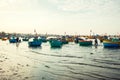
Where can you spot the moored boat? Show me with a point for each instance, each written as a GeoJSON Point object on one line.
{"type": "Point", "coordinates": [14, 40]}
{"type": "Point", "coordinates": [35, 43]}
{"type": "Point", "coordinates": [85, 42]}
{"type": "Point", "coordinates": [113, 43]}
{"type": "Point", "coordinates": [4, 38]}
{"type": "Point", "coordinates": [64, 40]}
{"type": "Point", "coordinates": [25, 39]}
{"type": "Point", "coordinates": [55, 43]}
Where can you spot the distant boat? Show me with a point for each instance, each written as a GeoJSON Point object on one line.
{"type": "Point", "coordinates": [14, 40]}
{"type": "Point", "coordinates": [43, 39]}
{"type": "Point", "coordinates": [85, 42]}
{"type": "Point", "coordinates": [77, 39]}
{"type": "Point", "coordinates": [35, 43]}
{"type": "Point", "coordinates": [4, 38]}
{"type": "Point", "coordinates": [114, 43]}
{"type": "Point", "coordinates": [70, 38]}
{"type": "Point", "coordinates": [51, 38]}
{"type": "Point", "coordinates": [55, 43]}
{"type": "Point", "coordinates": [25, 39]}
{"type": "Point", "coordinates": [64, 40]}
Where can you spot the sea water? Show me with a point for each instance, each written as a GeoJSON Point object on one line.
{"type": "Point", "coordinates": [70, 62]}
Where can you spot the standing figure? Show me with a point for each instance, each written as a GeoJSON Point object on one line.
{"type": "Point", "coordinates": [17, 39]}
{"type": "Point", "coordinates": [96, 42]}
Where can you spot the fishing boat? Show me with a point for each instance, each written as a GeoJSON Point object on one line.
{"type": "Point", "coordinates": [70, 38]}
{"type": "Point", "coordinates": [50, 38]}
{"type": "Point", "coordinates": [35, 43]}
{"type": "Point", "coordinates": [113, 43]}
{"type": "Point", "coordinates": [77, 39]}
{"type": "Point", "coordinates": [12, 40]}
{"type": "Point", "coordinates": [85, 42]}
{"type": "Point", "coordinates": [4, 38]}
{"type": "Point", "coordinates": [64, 40]}
{"type": "Point", "coordinates": [55, 43]}
{"type": "Point", "coordinates": [25, 39]}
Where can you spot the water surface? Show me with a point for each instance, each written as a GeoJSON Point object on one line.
{"type": "Point", "coordinates": [71, 62]}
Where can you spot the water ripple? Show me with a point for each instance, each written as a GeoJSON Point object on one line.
{"type": "Point", "coordinates": [68, 56]}
{"type": "Point", "coordinates": [106, 62]}
{"type": "Point", "coordinates": [85, 64]}
{"type": "Point", "coordinates": [65, 75]}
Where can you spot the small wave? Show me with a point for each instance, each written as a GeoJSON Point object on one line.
{"type": "Point", "coordinates": [106, 61]}
{"type": "Point", "coordinates": [85, 64]}
{"type": "Point", "coordinates": [64, 75]}
{"type": "Point", "coordinates": [68, 56]}
{"type": "Point", "coordinates": [103, 76]}
{"type": "Point", "coordinates": [87, 74]}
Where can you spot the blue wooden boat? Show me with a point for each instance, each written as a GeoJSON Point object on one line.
{"type": "Point", "coordinates": [12, 40]}
{"type": "Point", "coordinates": [85, 43]}
{"type": "Point", "coordinates": [55, 43]}
{"type": "Point", "coordinates": [77, 39]}
{"type": "Point", "coordinates": [35, 43]}
{"type": "Point", "coordinates": [114, 43]}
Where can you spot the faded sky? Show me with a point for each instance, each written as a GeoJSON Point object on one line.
{"type": "Point", "coordinates": [59, 16]}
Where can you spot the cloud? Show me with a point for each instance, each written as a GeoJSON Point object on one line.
{"type": "Point", "coordinates": [18, 5]}
{"type": "Point", "coordinates": [88, 6]}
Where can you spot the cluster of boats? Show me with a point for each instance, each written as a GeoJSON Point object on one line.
{"type": "Point", "coordinates": [58, 42]}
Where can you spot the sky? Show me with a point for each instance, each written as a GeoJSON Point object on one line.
{"type": "Point", "coordinates": [60, 16]}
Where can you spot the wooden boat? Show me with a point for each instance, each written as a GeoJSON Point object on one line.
{"type": "Point", "coordinates": [25, 39]}
{"type": "Point", "coordinates": [114, 43]}
{"type": "Point", "coordinates": [35, 43]}
{"type": "Point", "coordinates": [70, 38]}
{"type": "Point", "coordinates": [14, 40]}
{"type": "Point", "coordinates": [64, 40]}
{"type": "Point", "coordinates": [4, 38]}
{"type": "Point", "coordinates": [77, 39]}
{"type": "Point", "coordinates": [55, 43]}
{"type": "Point", "coordinates": [85, 42]}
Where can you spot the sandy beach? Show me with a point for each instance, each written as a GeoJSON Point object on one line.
{"type": "Point", "coordinates": [14, 67]}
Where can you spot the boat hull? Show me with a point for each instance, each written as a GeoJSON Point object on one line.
{"type": "Point", "coordinates": [25, 39]}
{"type": "Point", "coordinates": [85, 43]}
{"type": "Point", "coordinates": [34, 43]}
{"type": "Point", "coordinates": [111, 44]}
{"type": "Point", "coordinates": [55, 43]}
{"type": "Point", "coordinates": [12, 40]}
{"type": "Point", "coordinates": [4, 39]}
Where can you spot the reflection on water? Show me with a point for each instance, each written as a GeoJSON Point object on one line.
{"type": "Point", "coordinates": [70, 62]}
